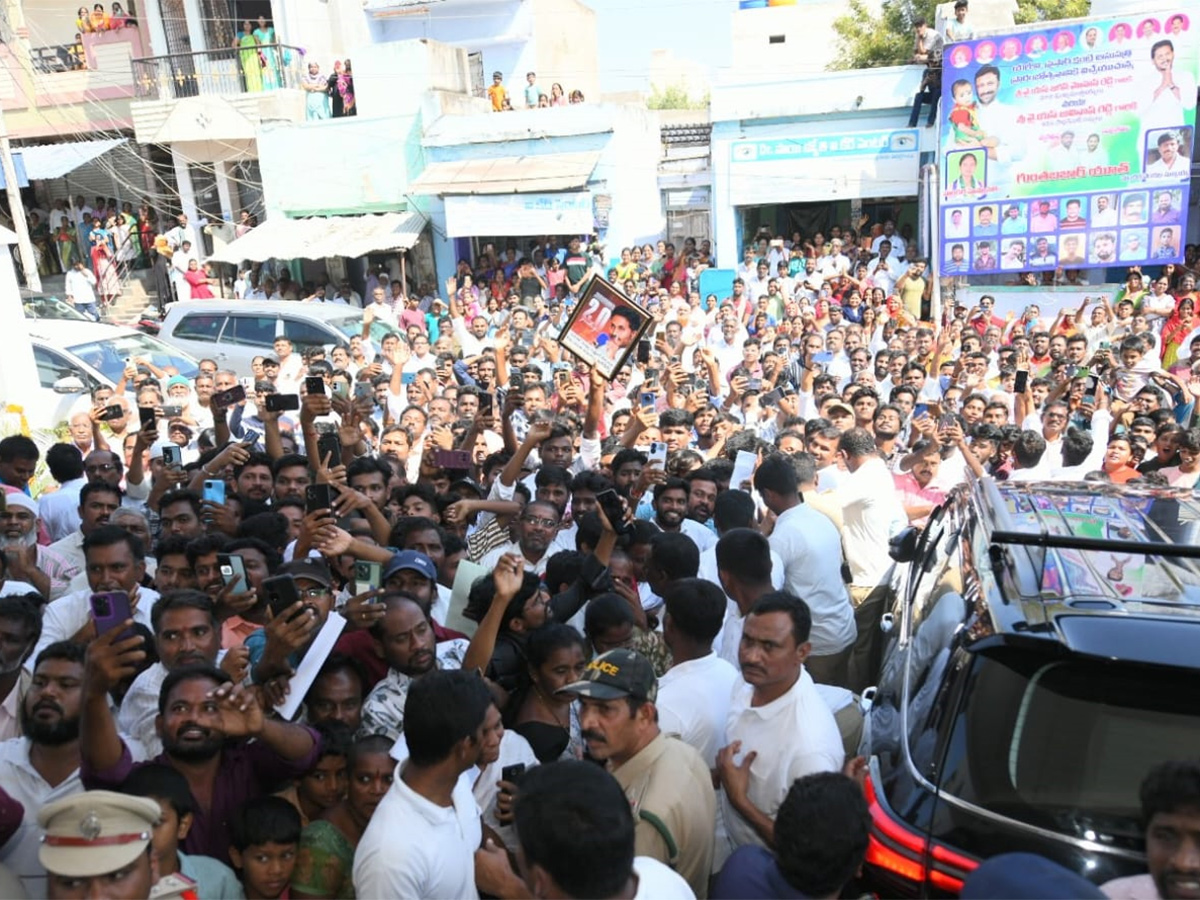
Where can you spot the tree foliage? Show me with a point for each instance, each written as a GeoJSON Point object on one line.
{"type": "Point", "coordinates": [674, 96]}
{"type": "Point", "coordinates": [868, 41]}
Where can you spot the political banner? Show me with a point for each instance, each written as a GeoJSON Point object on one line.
{"type": "Point", "coordinates": [1068, 146]}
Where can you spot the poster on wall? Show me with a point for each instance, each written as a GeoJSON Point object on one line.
{"type": "Point", "coordinates": [604, 327]}
{"type": "Point", "coordinates": [1070, 146]}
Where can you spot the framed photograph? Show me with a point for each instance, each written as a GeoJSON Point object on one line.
{"type": "Point", "coordinates": [604, 328]}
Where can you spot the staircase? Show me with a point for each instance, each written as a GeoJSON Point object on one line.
{"type": "Point", "coordinates": [137, 294]}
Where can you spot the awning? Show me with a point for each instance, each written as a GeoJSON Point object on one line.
{"type": "Point", "coordinates": [508, 174]}
{"type": "Point", "coordinates": [45, 161]}
{"type": "Point", "coordinates": [324, 236]}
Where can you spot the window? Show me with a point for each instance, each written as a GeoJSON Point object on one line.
{"type": "Point", "coordinates": [51, 367]}
{"type": "Point", "coordinates": [306, 334]}
{"type": "Point", "coordinates": [250, 331]}
{"type": "Point", "coordinates": [200, 327]}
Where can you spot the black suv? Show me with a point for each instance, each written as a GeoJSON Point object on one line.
{"type": "Point", "coordinates": [1040, 658]}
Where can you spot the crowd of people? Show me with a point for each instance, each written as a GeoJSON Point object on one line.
{"type": "Point", "coordinates": [532, 96]}
{"type": "Point", "coordinates": [450, 615]}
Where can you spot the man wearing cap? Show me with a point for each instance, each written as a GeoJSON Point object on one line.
{"type": "Point", "coordinates": [666, 780]}
{"type": "Point", "coordinates": [28, 560]}
{"type": "Point", "coordinates": [97, 844]}
{"type": "Point", "coordinates": [279, 648]}
{"type": "Point", "coordinates": [405, 638]}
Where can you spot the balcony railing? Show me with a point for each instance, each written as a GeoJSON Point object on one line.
{"type": "Point", "coordinates": [267, 67]}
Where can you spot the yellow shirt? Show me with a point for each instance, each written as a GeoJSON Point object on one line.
{"type": "Point", "coordinates": [497, 94]}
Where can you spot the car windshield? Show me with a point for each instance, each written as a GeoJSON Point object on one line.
{"type": "Point", "coordinates": [352, 325]}
{"type": "Point", "coordinates": [1065, 744]}
{"type": "Point", "coordinates": [43, 306]}
{"type": "Point", "coordinates": [108, 356]}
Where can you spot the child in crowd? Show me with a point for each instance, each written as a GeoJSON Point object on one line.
{"type": "Point", "coordinates": [324, 785]}
{"type": "Point", "coordinates": [213, 879]}
{"type": "Point", "coordinates": [263, 839]}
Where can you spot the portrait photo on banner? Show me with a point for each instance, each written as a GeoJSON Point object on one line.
{"type": "Point", "coordinates": [604, 327]}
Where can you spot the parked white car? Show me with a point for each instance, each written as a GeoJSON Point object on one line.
{"type": "Point", "coordinates": [236, 332]}
{"type": "Point", "coordinates": [75, 357]}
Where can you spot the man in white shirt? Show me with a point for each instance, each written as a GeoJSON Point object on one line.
{"type": "Point", "coordinates": [115, 562]}
{"type": "Point", "coordinates": [779, 729]}
{"type": "Point", "coordinates": [811, 549]}
{"type": "Point", "coordinates": [97, 501]}
{"type": "Point", "coordinates": [886, 268]}
{"type": "Point", "coordinates": [693, 695]}
{"type": "Point", "coordinates": [79, 286]}
{"type": "Point", "coordinates": [43, 765]}
{"type": "Point", "coordinates": [445, 715]}
{"type": "Point", "coordinates": [1170, 163]}
{"type": "Point", "coordinates": [1104, 212]}
{"type": "Point", "coordinates": [871, 515]}
{"type": "Point", "coordinates": [291, 367]}
{"type": "Point", "coordinates": [889, 236]}
{"type": "Point", "coordinates": [1005, 141]}
{"type": "Point", "coordinates": [670, 514]}
{"type": "Point", "coordinates": [379, 310]}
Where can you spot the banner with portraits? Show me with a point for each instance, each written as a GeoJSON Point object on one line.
{"type": "Point", "coordinates": [1069, 146]}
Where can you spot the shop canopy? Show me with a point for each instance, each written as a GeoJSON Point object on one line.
{"type": "Point", "coordinates": [320, 237]}
{"type": "Point", "coordinates": [47, 161]}
{"type": "Point", "coordinates": [508, 174]}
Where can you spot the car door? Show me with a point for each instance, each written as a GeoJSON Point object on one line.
{"type": "Point", "coordinates": [197, 333]}
{"type": "Point", "coordinates": [246, 336]}
{"type": "Point", "coordinates": [304, 334]}
{"type": "Point", "coordinates": [51, 408]}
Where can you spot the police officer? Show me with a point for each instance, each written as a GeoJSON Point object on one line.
{"type": "Point", "coordinates": [97, 845]}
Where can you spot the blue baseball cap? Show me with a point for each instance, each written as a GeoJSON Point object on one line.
{"type": "Point", "coordinates": [410, 559]}
{"type": "Point", "coordinates": [1018, 875]}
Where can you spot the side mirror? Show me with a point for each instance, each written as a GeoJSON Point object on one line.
{"type": "Point", "coordinates": [69, 384]}
{"type": "Point", "coordinates": [902, 547]}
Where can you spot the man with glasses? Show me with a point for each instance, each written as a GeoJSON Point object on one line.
{"type": "Point", "coordinates": [278, 649]}
{"type": "Point", "coordinates": [536, 529]}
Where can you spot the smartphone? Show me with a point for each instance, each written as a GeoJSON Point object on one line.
{"type": "Point", "coordinates": [330, 445]}
{"type": "Point", "coordinates": [649, 400]}
{"type": "Point", "coordinates": [366, 576]}
{"type": "Point", "coordinates": [516, 382]}
{"type": "Point", "coordinates": [147, 417]}
{"type": "Point", "coordinates": [112, 412]}
{"type": "Point", "coordinates": [317, 497]}
{"type": "Point", "coordinates": [214, 491]}
{"type": "Point", "coordinates": [754, 384]}
{"type": "Point", "coordinates": [249, 437]}
{"type": "Point", "coordinates": [173, 456]}
{"type": "Point", "coordinates": [232, 567]}
{"type": "Point", "coordinates": [1093, 383]}
{"type": "Point", "coordinates": [512, 774]}
{"type": "Point", "coordinates": [643, 351]}
{"type": "Point", "coordinates": [225, 399]}
{"type": "Point", "coordinates": [280, 592]}
{"type": "Point", "coordinates": [110, 609]}
{"type": "Point", "coordinates": [452, 459]}
{"type": "Point", "coordinates": [770, 398]}
{"type": "Point", "coordinates": [658, 453]}
{"type": "Point", "coordinates": [172, 412]}
{"type": "Point", "coordinates": [282, 402]}
{"type": "Point", "coordinates": [1022, 382]}
{"type": "Point", "coordinates": [948, 420]}
{"type": "Point", "coordinates": [921, 409]}
{"type": "Point", "coordinates": [485, 404]}
{"type": "Point", "coordinates": [364, 390]}
{"type": "Point", "coordinates": [341, 389]}
{"type": "Point", "coordinates": [610, 502]}
{"type": "Point", "coordinates": [408, 377]}
{"type": "Point", "coordinates": [314, 384]}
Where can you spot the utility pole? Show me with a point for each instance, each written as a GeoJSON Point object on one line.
{"type": "Point", "coordinates": [33, 280]}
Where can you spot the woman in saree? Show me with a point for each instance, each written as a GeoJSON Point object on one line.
{"type": "Point", "coordinates": [265, 35]}
{"type": "Point", "coordinates": [335, 96]}
{"type": "Point", "coordinates": [39, 236]}
{"type": "Point", "coordinates": [345, 87]}
{"type": "Point", "coordinates": [1178, 328]}
{"type": "Point", "coordinates": [252, 65]}
{"type": "Point", "coordinates": [108, 282]}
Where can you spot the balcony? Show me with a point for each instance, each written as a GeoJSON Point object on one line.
{"type": "Point", "coordinates": [84, 86]}
{"type": "Point", "coordinates": [216, 95]}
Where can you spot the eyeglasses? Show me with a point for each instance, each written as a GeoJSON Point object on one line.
{"type": "Point", "coordinates": [314, 593]}
{"type": "Point", "coordinates": [537, 520]}
{"type": "Point", "coordinates": [101, 467]}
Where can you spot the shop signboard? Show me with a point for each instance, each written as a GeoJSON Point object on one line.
{"type": "Point", "coordinates": [1068, 146]}
{"type": "Point", "coordinates": [519, 215]}
{"type": "Point", "coordinates": [879, 163]}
